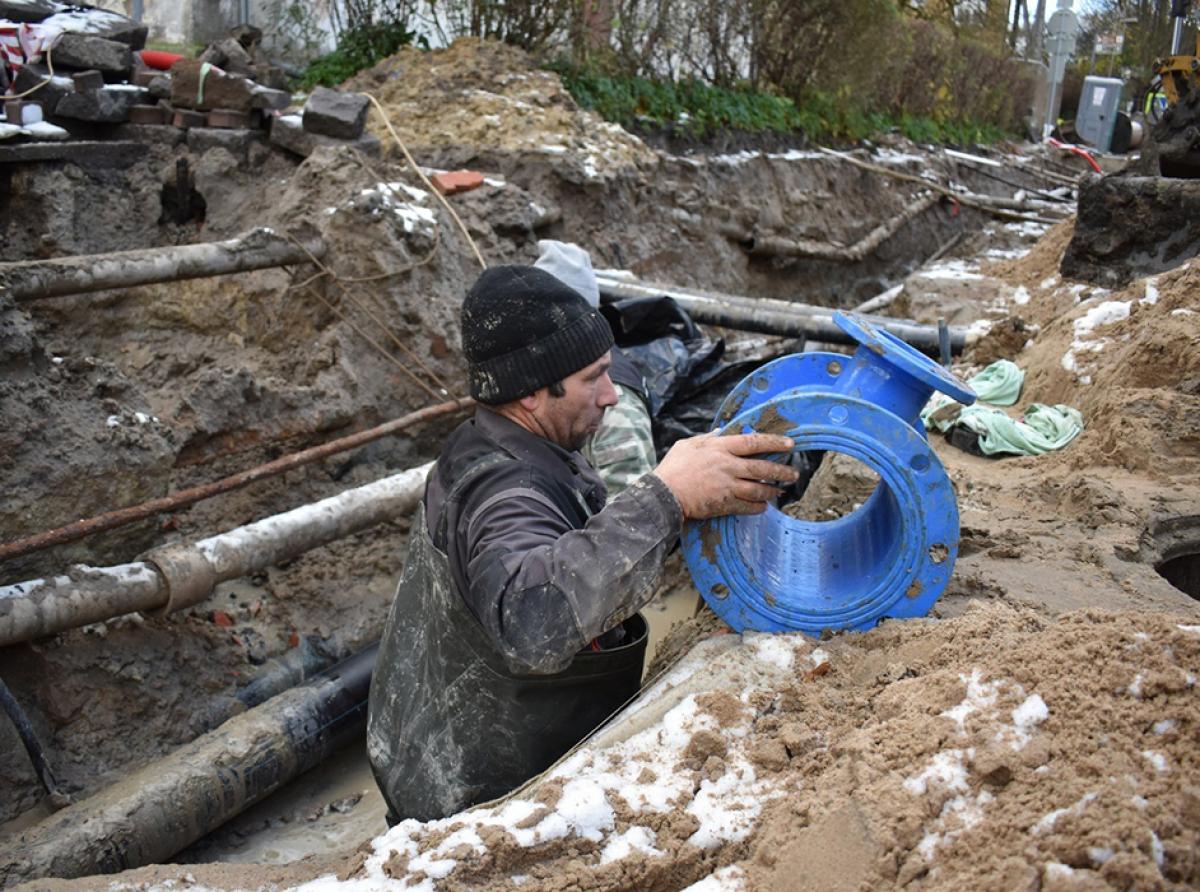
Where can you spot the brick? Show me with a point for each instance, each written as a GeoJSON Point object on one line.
{"type": "Point", "coordinates": [144, 77]}
{"type": "Point", "coordinates": [333, 113]}
{"type": "Point", "coordinates": [186, 118]}
{"type": "Point", "coordinates": [88, 81]}
{"type": "Point", "coordinates": [456, 181]}
{"type": "Point", "coordinates": [226, 118]}
{"type": "Point", "coordinates": [85, 51]}
{"type": "Point", "coordinates": [149, 114]}
{"type": "Point", "coordinates": [220, 90]}
{"type": "Point", "coordinates": [221, 618]}
{"type": "Point", "coordinates": [108, 106]}
{"type": "Point", "coordinates": [287, 132]}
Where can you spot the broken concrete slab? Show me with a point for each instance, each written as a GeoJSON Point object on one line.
{"type": "Point", "coordinates": [87, 52]}
{"type": "Point", "coordinates": [108, 106]}
{"type": "Point", "coordinates": [195, 84]}
{"type": "Point", "coordinates": [334, 113]}
{"type": "Point", "coordinates": [28, 10]}
{"type": "Point", "coordinates": [85, 153]}
{"type": "Point", "coordinates": [287, 132]}
{"type": "Point", "coordinates": [236, 142]}
{"type": "Point", "coordinates": [98, 23]}
{"type": "Point", "coordinates": [157, 134]}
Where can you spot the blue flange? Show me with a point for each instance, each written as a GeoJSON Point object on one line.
{"type": "Point", "coordinates": [893, 556]}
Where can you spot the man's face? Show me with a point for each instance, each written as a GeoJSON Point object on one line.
{"type": "Point", "coordinates": [570, 419]}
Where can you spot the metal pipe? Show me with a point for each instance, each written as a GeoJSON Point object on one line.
{"type": "Point", "coordinates": [258, 249]}
{"type": "Point", "coordinates": [778, 317]}
{"type": "Point", "coordinates": [33, 746]}
{"type": "Point", "coordinates": [153, 813]}
{"type": "Point", "coordinates": [124, 516]}
{"type": "Point", "coordinates": [778, 246]}
{"type": "Point", "coordinates": [179, 576]}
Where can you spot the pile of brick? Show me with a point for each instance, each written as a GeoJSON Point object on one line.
{"type": "Point", "coordinates": [82, 83]}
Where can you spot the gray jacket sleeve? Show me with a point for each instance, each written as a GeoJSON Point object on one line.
{"type": "Point", "coordinates": [544, 590]}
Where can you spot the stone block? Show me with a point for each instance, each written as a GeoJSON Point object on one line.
{"type": "Point", "coordinates": [88, 81]}
{"type": "Point", "coordinates": [98, 23]}
{"type": "Point", "coordinates": [236, 142]}
{"type": "Point", "coordinates": [50, 90]}
{"type": "Point", "coordinates": [149, 114]}
{"type": "Point", "coordinates": [287, 132]}
{"type": "Point", "coordinates": [85, 51]}
{"type": "Point", "coordinates": [160, 86]}
{"type": "Point", "coordinates": [28, 10]}
{"type": "Point", "coordinates": [228, 55]}
{"type": "Point", "coordinates": [194, 87]}
{"type": "Point", "coordinates": [186, 118]}
{"type": "Point", "coordinates": [144, 77]}
{"type": "Point", "coordinates": [265, 98]}
{"type": "Point", "coordinates": [108, 106]}
{"type": "Point", "coordinates": [455, 181]}
{"type": "Point", "coordinates": [333, 113]}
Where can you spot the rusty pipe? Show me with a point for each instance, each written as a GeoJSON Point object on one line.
{"type": "Point", "coordinates": [179, 576]}
{"type": "Point", "coordinates": [124, 516]}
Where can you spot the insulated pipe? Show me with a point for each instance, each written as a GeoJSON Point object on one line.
{"type": "Point", "coordinates": [150, 815]}
{"type": "Point", "coordinates": [257, 249]}
{"type": "Point", "coordinates": [178, 576]}
{"type": "Point", "coordinates": [777, 317]}
{"type": "Point", "coordinates": [891, 557]}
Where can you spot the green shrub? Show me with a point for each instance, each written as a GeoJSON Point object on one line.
{"type": "Point", "coordinates": [359, 48]}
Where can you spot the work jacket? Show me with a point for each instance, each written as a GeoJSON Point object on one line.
{"type": "Point", "coordinates": [514, 630]}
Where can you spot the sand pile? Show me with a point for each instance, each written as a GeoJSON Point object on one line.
{"type": "Point", "coordinates": [489, 97]}
{"type": "Point", "coordinates": [1129, 360]}
{"type": "Point", "coordinates": [968, 753]}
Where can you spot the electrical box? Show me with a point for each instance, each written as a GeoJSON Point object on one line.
{"type": "Point", "coordinates": [1099, 104]}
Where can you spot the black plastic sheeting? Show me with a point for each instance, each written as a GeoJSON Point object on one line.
{"type": "Point", "coordinates": [686, 375]}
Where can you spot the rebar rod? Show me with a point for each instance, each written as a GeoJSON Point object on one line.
{"type": "Point", "coordinates": [124, 516]}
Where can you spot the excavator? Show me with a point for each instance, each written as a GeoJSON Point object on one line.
{"type": "Point", "coordinates": [1175, 136]}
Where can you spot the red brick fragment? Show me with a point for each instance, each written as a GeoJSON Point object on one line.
{"type": "Point", "coordinates": [221, 618]}
{"type": "Point", "coordinates": [456, 181]}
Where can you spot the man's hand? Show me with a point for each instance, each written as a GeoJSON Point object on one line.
{"type": "Point", "coordinates": [711, 476]}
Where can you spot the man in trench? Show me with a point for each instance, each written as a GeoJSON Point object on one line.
{"type": "Point", "coordinates": [515, 629]}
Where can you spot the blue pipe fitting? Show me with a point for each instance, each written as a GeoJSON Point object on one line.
{"type": "Point", "coordinates": [892, 556]}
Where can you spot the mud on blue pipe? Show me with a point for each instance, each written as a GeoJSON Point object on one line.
{"type": "Point", "coordinates": [893, 556]}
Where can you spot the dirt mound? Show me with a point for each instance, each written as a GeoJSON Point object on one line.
{"type": "Point", "coordinates": [967, 753]}
{"type": "Point", "coordinates": [482, 96]}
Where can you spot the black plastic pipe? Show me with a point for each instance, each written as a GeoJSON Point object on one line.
{"type": "Point", "coordinates": [33, 746]}
{"type": "Point", "coordinates": [148, 816]}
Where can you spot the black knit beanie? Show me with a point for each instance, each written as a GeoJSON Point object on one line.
{"type": "Point", "coordinates": [523, 329]}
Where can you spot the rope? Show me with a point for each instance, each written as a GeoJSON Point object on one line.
{"type": "Point", "coordinates": [412, 162]}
